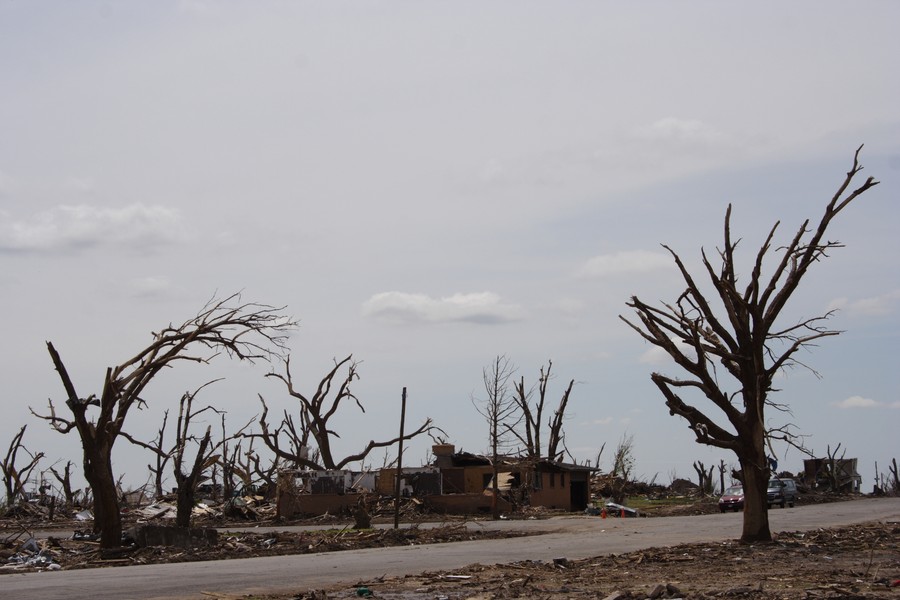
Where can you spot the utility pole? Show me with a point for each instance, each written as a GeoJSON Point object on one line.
{"type": "Point", "coordinates": [399, 462]}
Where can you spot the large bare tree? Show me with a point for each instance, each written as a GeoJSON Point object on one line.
{"type": "Point", "coordinates": [245, 331]}
{"type": "Point", "coordinates": [498, 408]}
{"type": "Point", "coordinates": [532, 409]}
{"type": "Point", "coordinates": [736, 336]}
{"type": "Point", "coordinates": [291, 440]}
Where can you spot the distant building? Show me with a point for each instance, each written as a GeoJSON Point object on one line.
{"type": "Point", "coordinates": [456, 483]}
{"type": "Point", "coordinates": [839, 474]}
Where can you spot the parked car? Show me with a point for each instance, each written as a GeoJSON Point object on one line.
{"type": "Point", "coordinates": [732, 499]}
{"type": "Point", "coordinates": [782, 492]}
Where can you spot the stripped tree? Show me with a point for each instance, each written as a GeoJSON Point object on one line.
{"type": "Point", "coordinates": [245, 331]}
{"type": "Point", "coordinates": [742, 337]}
{"type": "Point", "coordinates": [188, 473]}
{"type": "Point", "coordinates": [15, 477]}
{"type": "Point", "coordinates": [497, 407]}
{"type": "Point", "coordinates": [65, 482]}
{"type": "Point", "coordinates": [291, 440]}
{"type": "Point", "coordinates": [532, 411]}
{"type": "Point", "coordinates": [704, 478]}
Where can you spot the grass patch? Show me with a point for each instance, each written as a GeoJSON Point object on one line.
{"type": "Point", "coordinates": [644, 503]}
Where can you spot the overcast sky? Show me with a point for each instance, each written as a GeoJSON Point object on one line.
{"type": "Point", "coordinates": [427, 185]}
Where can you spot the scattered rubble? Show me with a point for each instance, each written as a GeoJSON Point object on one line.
{"type": "Point", "coordinates": [854, 563]}
{"type": "Point", "coordinates": [151, 544]}
{"type": "Point", "coordinates": [859, 562]}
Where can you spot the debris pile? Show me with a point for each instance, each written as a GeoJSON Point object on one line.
{"type": "Point", "coordinates": [858, 562]}
{"type": "Point", "coordinates": [29, 554]}
{"type": "Point", "coordinates": [82, 550]}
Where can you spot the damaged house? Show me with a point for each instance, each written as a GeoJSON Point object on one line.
{"type": "Point", "coordinates": [313, 493]}
{"type": "Point", "coordinates": [456, 483]}
{"type": "Point", "coordinates": [838, 474]}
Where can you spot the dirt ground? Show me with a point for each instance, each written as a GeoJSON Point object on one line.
{"type": "Point", "coordinates": [856, 562]}
{"type": "Point", "coordinates": [22, 552]}
{"type": "Point", "coordinates": [849, 563]}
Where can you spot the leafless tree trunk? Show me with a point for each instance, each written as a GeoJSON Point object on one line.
{"type": "Point", "coordinates": [243, 331]}
{"type": "Point", "coordinates": [187, 473]}
{"type": "Point", "coordinates": [623, 465]}
{"type": "Point", "coordinates": [230, 463]}
{"type": "Point", "coordinates": [497, 408]}
{"type": "Point", "coordinates": [65, 481]}
{"type": "Point", "coordinates": [161, 458]}
{"type": "Point", "coordinates": [741, 338]}
{"type": "Point", "coordinates": [833, 467]}
{"type": "Point", "coordinates": [532, 418]}
{"type": "Point", "coordinates": [599, 454]}
{"type": "Point", "coordinates": [268, 475]}
{"type": "Point", "coordinates": [704, 477]}
{"type": "Point", "coordinates": [315, 413]}
{"type": "Point", "coordinates": [722, 470]}
{"type": "Point", "coordinates": [15, 478]}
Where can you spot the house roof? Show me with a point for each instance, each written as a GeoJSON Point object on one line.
{"type": "Point", "coordinates": [467, 459]}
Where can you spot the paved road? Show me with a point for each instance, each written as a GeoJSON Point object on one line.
{"type": "Point", "coordinates": [571, 537]}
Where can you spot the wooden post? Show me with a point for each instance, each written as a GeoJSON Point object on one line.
{"type": "Point", "coordinates": [399, 462]}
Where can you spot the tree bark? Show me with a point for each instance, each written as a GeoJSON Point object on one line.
{"type": "Point", "coordinates": [756, 506]}
{"type": "Point", "coordinates": [99, 475]}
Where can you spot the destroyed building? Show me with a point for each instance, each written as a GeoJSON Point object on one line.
{"type": "Point", "coordinates": [456, 483]}
{"type": "Point", "coordinates": [838, 474]}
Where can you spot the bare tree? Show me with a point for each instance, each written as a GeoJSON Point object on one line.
{"type": "Point", "coordinates": [65, 481]}
{"type": "Point", "coordinates": [599, 454]}
{"type": "Point", "coordinates": [161, 457]}
{"type": "Point", "coordinates": [622, 467]}
{"type": "Point", "coordinates": [745, 337]}
{"type": "Point", "coordinates": [722, 470]}
{"type": "Point", "coordinates": [230, 463]}
{"type": "Point", "coordinates": [247, 466]}
{"type": "Point", "coordinates": [315, 413]}
{"type": "Point", "coordinates": [532, 417]}
{"type": "Point", "coordinates": [245, 331]}
{"type": "Point", "coordinates": [704, 477]}
{"type": "Point", "coordinates": [498, 406]}
{"type": "Point", "coordinates": [267, 474]}
{"type": "Point", "coordinates": [893, 482]}
{"type": "Point", "coordinates": [187, 473]}
{"type": "Point", "coordinates": [15, 477]}
{"type": "Point", "coordinates": [833, 467]}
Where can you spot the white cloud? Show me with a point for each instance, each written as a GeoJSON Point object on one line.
{"type": "Point", "coordinates": [681, 132]}
{"type": "Point", "coordinates": [150, 286]}
{"type": "Point", "coordinates": [630, 261]}
{"type": "Point", "coordinates": [568, 306]}
{"type": "Point", "coordinates": [654, 356]}
{"type": "Point", "coordinates": [484, 308]}
{"type": "Point", "coordinates": [657, 356]}
{"type": "Point", "coordinates": [876, 306]}
{"type": "Point", "coordinates": [857, 402]}
{"type": "Point", "coordinates": [675, 146]}
{"type": "Point", "coordinates": [68, 227]}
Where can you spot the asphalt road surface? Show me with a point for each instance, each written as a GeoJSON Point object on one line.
{"type": "Point", "coordinates": [573, 537]}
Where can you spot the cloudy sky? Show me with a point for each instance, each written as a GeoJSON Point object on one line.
{"type": "Point", "coordinates": [427, 185]}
